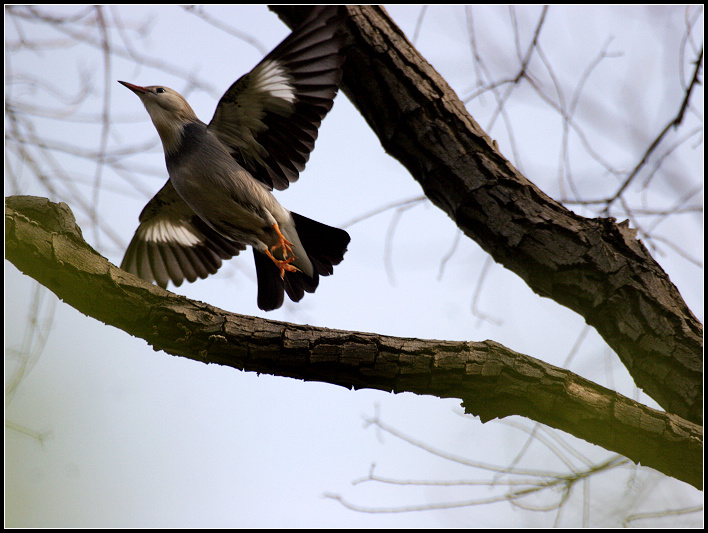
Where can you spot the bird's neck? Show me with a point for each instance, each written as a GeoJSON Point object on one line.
{"type": "Point", "coordinates": [192, 138]}
{"type": "Point", "coordinates": [170, 134]}
{"type": "Point", "coordinates": [170, 126]}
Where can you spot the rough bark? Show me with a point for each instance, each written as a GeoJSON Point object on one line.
{"type": "Point", "coordinates": [596, 267]}
{"type": "Point", "coordinates": [43, 241]}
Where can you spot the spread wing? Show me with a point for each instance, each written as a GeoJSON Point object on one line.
{"type": "Point", "coordinates": [269, 117]}
{"type": "Point", "coordinates": [173, 243]}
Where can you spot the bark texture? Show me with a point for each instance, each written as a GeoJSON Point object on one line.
{"type": "Point", "coordinates": [596, 267]}
{"type": "Point", "coordinates": [43, 241]}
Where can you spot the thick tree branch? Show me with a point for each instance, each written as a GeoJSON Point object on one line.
{"type": "Point", "coordinates": [595, 267]}
{"type": "Point", "coordinates": [43, 241]}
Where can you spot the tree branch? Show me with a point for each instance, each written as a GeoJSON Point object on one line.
{"type": "Point", "coordinates": [595, 267]}
{"type": "Point", "coordinates": [43, 241]}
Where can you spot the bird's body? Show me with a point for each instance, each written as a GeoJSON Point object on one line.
{"type": "Point", "coordinates": [246, 211]}
{"type": "Point", "coordinates": [218, 198]}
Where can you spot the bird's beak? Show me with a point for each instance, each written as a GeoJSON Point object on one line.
{"type": "Point", "coordinates": [137, 89]}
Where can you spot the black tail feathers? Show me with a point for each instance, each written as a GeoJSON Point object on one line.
{"type": "Point", "coordinates": [325, 247]}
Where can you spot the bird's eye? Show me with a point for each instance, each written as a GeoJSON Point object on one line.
{"type": "Point", "coordinates": [159, 90]}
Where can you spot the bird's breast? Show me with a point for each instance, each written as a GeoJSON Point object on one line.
{"type": "Point", "coordinates": [219, 190]}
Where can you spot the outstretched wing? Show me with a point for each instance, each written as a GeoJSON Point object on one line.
{"type": "Point", "coordinates": [269, 118]}
{"type": "Point", "coordinates": [173, 243]}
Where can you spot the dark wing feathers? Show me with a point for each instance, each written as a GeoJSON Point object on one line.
{"type": "Point", "coordinates": [173, 244]}
{"type": "Point", "coordinates": [269, 118]}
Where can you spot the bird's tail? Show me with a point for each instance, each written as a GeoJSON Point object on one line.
{"type": "Point", "coordinates": [325, 247]}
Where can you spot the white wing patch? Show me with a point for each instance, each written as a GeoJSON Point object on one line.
{"type": "Point", "coordinates": [274, 80]}
{"type": "Point", "coordinates": [171, 231]}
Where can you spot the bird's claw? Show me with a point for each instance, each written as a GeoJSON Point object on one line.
{"type": "Point", "coordinates": [288, 256]}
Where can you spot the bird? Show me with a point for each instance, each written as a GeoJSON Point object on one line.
{"type": "Point", "coordinates": [218, 198]}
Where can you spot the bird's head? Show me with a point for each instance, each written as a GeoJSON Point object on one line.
{"type": "Point", "coordinates": [168, 110]}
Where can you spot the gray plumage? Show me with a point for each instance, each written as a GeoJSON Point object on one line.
{"type": "Point", "coordinates": [218, 197]}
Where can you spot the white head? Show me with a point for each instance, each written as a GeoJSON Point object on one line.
{"type": "Point", "coordinates": [168, 110]}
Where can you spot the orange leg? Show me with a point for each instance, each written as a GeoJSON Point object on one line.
{"type": "Point", "coordinates": [288, 257]}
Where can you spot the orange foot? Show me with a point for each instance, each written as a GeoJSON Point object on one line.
{"type": "Point", "coordinates": [288, 257]}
